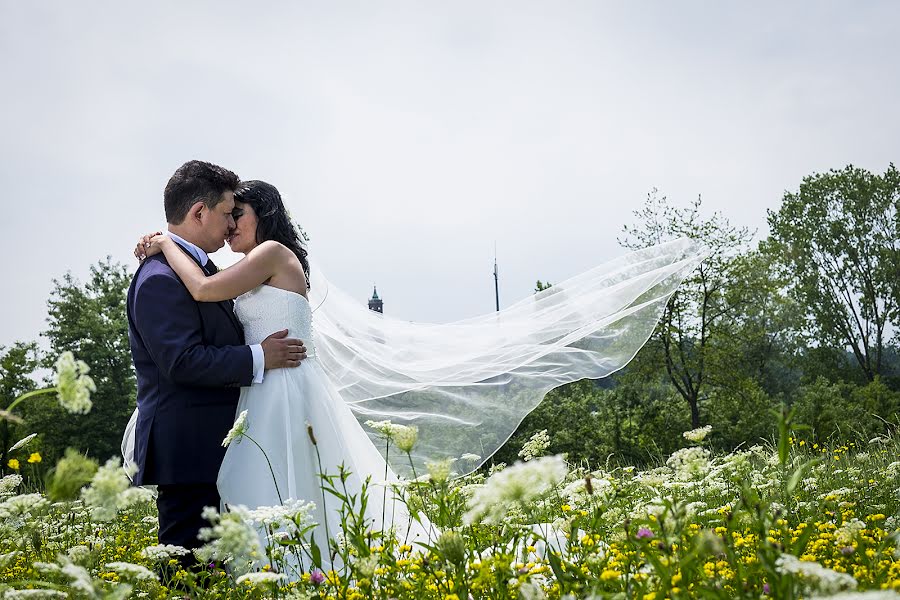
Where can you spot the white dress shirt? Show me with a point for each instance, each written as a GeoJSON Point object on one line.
{"type": "Point", "coordinates": [259, 357]}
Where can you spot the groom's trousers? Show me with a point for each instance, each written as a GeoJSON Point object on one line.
{"type": "Point", "coordinates": [180, 507]}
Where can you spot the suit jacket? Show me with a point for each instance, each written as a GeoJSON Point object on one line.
{"type": "Point", "coordinates": [190, 360]}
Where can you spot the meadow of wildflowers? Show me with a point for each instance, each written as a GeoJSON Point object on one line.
{"type": "Point", "coordinates": [784, 519]}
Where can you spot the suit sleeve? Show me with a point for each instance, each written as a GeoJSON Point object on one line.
{"type": "Point", "coordinates": [168, 322]}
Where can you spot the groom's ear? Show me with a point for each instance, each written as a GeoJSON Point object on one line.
{"type": "Point", "coordinates": [196, 211]}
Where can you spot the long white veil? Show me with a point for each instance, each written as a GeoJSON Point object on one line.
{"type": "Point", "coordinates": [467, 385]}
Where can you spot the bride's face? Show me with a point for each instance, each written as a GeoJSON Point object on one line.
{"type": "Point", "coordinates": [243, 237]}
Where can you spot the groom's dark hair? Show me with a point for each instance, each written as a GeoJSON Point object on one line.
{"type": "Point", "coordinates": [196, 181]}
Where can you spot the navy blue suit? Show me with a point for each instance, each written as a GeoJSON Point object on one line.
{"type": "Point", "coordinates": [190, 361]}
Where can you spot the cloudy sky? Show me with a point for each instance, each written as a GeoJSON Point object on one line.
{"type": "Point", "coordinates": [410, 137]}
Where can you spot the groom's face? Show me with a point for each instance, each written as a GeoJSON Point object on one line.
{"type": "Point", "coordinates": [217, 222]}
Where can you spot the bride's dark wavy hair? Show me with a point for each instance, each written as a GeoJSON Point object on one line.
{"type": "Point", "coordinates": [273, 220]}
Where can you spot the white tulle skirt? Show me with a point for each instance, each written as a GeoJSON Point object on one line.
{"type": "Point", "coordinates": [279, 413]}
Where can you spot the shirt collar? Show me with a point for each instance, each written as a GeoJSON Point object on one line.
{"type": "Point", "coordinates": [195, 251]}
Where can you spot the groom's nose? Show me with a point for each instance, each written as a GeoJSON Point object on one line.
{"type": "Point", "coordinates": [231, 224]}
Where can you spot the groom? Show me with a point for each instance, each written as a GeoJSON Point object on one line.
{"type": "Point", "coordinates": [190, 358]}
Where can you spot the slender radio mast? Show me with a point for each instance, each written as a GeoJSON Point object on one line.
{"type": "Point", "coordinates": [496, 280]}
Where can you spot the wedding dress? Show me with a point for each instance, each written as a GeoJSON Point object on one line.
{"type": "Point", "coordinates": [282, 412]}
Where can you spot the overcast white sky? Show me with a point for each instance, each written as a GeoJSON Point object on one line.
{"type": "Point", "coordinates": [408, 137]}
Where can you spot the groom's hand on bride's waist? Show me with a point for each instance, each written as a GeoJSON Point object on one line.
{"type": "Point", "coordinates": [281, 351]}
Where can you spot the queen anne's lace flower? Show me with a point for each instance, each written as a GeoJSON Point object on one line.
{"type": "Point", "coordinates": [261, 578]}
{"type": "Point", "coordinates": [237, 431]}
{"type": "Point", "coordinates": [815, 575]}
{"type": "Point", "coordinates": [9, 483]}
{"type": "Point", "coordinates": [536, 446]}
{"type": "Point", "coordinates": [439, 470]}
{"type": "Point", "coordinates": [405, 437]}
{"type": "Point", "coordinates": [689, 463]}
{"type": "Point", "coordinates": [231, 539]}
{"type": "Point", "coordinates": [132, 572]}
{"type": "Point", "coordinates": [517, 485]}
{"type": "Point", "coordinates": [35, 594]}
{"type": "Point", "coordinates": [161, 552]}
{"type": "Point", "coordinates": [697, 435]}
{"type": "Point", "coordinates": [296, 511]}
{"type": "Point", "coordinates": [73, 384]}
{"type": "Point", "coordinates": [106, 494]}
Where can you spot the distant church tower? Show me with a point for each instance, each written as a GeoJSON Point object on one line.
{"type": "Point", "coordinates": [375, 302]}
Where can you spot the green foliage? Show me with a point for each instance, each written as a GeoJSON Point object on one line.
{"type": "Point", "coordinates": [90, 320]}
{"type": "Point", "coordinates": [701, 313]}
{"type": "Point", "coordinates": [836, 239]}
{"type": "Point", "coordinates": [71, 473]}
{"type": "Point", "coordinates": [843, 409]}
{"type": "Point", "coordinates": [17, 363]}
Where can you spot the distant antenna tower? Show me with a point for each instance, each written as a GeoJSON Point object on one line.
{"type": "Point", "coordinates": [496, 280]}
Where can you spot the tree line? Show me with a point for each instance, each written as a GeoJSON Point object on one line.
{"type": "Point", "coordinates": [808, 317]}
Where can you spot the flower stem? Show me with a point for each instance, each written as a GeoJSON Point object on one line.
{"type": "Point", "coordinates": [271, 470]}
{"type": "Point", "coordinates": [29, 395]}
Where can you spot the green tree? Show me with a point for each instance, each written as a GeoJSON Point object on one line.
{"type": "Point", "coordinates": [700, 314]}
{"type": "Point", "coordinates": [838, 241]}
{"type": "Point", "coordinates": [17, 364]}
{"type": "Point", "coordinates": [90, 320]}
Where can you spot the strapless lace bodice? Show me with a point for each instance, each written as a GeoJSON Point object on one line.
{"type": "Point", "coordinates": [267, 309]}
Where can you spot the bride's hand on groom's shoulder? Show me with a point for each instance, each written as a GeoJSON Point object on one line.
{"type": "Point", "coordinates": [149, 244]}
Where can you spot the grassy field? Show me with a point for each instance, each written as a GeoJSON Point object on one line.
{"type": "Point", "coordinates": [785, 519]}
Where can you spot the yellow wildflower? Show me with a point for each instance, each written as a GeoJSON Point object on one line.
{"type": "Point", "coordinates": [13, 464]}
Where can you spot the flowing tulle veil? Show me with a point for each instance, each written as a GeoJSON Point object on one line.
{"type": "Point", "coordinates": [467, 385]}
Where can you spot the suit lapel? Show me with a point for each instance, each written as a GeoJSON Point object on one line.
{"type": "Point", "coordinates": [225, 305]}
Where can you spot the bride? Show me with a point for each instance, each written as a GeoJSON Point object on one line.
{"type": "Point", "coordinates": [465, 386]}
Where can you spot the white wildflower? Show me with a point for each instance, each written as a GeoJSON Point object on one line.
{"type": "Point", "coordinates": [848, 532]}
{"type": "Point", "coordinates": [73, 384]}
{"type": "Point", "coordinates": [366, 566]}
{"type": "Point", "coordinates": [231, 539]}
{"type": "Point", "coordinates": [132, 572]}
{"type": "Point", "coordinates": [697, 435]}
{"type": "Point", "coordinates": [78, 553]}
{"type": "Point", "coordinates": [689, 462]}
{"type": "Point", "coordinates": [405, 437]}
{"type": "Point", "coordinates": [238, 430]}
{"type": "Point", "coordinates": [22, 506]}
{"type": "Point", "coordinates": [36, 594]}
{"type": "Point", "coordinates": [815, 575]}
{"type": "Point", "coordinates": [536, 446]}
{"type": "Point", "coordinates": [296, 511]}
{"type": "Point", "coordinates": [439, 470]}
{"type": "Point", "coordinates": [7, 558]}
{"type": "Point", "coordinates": [79, 578]}
{"type": "Point", "coordinates": [102, 496]}
{"type": "Point", "coordinates": [261, 578]}
{"type": "Point", "coordinates": [385, 428]}
{"type": "Point", "coordinates": [496, 468]}
{"type": "Point", "coordinates": [134, 496]}
{"type": "Point", "coordinates": [470, 458]}
{"type": "Point", "coordinates": [161, 552]}
{"type": "Point", "coordinates": [23, 442]}
{"type": "Point", "coordinates": [10, 483]}
{"type": "Point", "coordinates": [517, 485]}
{"type": "Point", "coordinates": [531, 591]}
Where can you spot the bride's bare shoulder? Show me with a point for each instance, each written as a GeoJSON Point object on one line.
{"type": "Point", "coordinates": [288, 271]}
{"type": "Point", "coordinates": [272, 250]}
